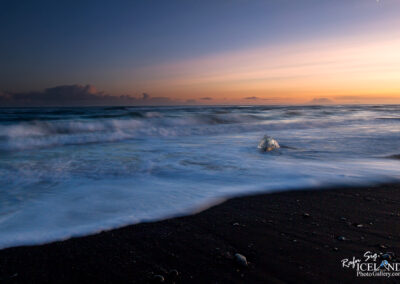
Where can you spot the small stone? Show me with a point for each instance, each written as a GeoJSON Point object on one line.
{"type": "Point", "coordinates": [342, 238]}
{"type": "Point", "coordinates": [382, 246]}
{"type": "Point", "coordinates": [236, 224]}
{"type": "Point", "coordinates": [158, 279]}
{"type": "Point", "coordinates": [295, 241]}
{"type": "Point", "coordinates": [306, 215]}
{"type": "Point", "coordinates": [358, 225]}
{"type": "Point", "coordinates": [335, 249]}
{"type": "Point", "coordinates": [240, 260]}
{"type": "Point", "coordinates": [343, 219]}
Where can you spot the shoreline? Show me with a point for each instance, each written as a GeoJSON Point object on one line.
{"type": "Point", "coordinates": [290, 236]}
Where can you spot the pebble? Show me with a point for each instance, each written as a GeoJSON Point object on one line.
{"type": "Point", "coordinates": [158, 279]}
{"type": "Point", "coordinates": [342, 238]}
{"type": "Point", "coordinates": [241, 259]}
{"type": "Point", "coordinates": [343, 219]}
{"type": "Point", "coordinates": [306, 215]}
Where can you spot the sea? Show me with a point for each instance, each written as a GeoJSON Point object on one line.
{"type": "Point", "coordinates": [68, 172]}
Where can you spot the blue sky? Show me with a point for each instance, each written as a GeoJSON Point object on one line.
{"type": "Point", "coordinates": [110, 43]}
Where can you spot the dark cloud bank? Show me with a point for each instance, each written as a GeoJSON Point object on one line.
{"type": "Point", "coordinates": [322, 101]}
{"type": "Point", "coordinates": [78, 95]}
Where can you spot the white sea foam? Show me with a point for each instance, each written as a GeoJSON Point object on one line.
{"type": "Point", "coordinates": [64, 174]}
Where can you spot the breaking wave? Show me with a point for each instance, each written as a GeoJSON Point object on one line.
{"type": "Point", "coordinates": [99, 168]}
{"type": "Point", "coordinates": [30, 129]}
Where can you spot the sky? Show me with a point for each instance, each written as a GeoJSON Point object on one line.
{"type": "Point", "coordinates": [199, 52]}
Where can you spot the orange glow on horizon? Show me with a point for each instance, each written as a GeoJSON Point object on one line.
{"type": "Point", "coordinates": [351, 70]}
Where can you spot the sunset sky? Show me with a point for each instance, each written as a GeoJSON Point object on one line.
{"type": "Point", "coordinates": [202, 52]}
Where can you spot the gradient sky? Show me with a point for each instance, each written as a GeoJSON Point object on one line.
{"type": "Point", "coordinates": [227, 51]}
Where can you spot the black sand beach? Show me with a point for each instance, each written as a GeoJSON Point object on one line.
{"type": "Point", "coordinates": [288, 237]}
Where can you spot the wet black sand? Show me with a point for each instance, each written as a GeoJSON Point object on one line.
{"type": "Point", "coordinates": [286, 237]}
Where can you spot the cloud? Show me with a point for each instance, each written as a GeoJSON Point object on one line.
{"type": "Point", "coordinates": [190, 101]}
{"type": "Point", "coordinates": [321, 101]}
{"type": "Point", "coordinates": [206, 99]}
{"type": "Point", "coordinates": [78, 95]}
{"type": "Point", "coordinates": [145, 96]}
{"type": "Point", "coordinates": [260, 99]}
{"type": "Point", "coordinates": [369, 98]}
{"type": "Point", "coordinates": [252, 98]}
{"type": "Point", "coordinates": [348, 97]}
{"type": "Point", "coordinates": [4, 96]}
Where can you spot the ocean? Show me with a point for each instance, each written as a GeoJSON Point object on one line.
{"type": "Point", "coordinates": [75, 171]}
